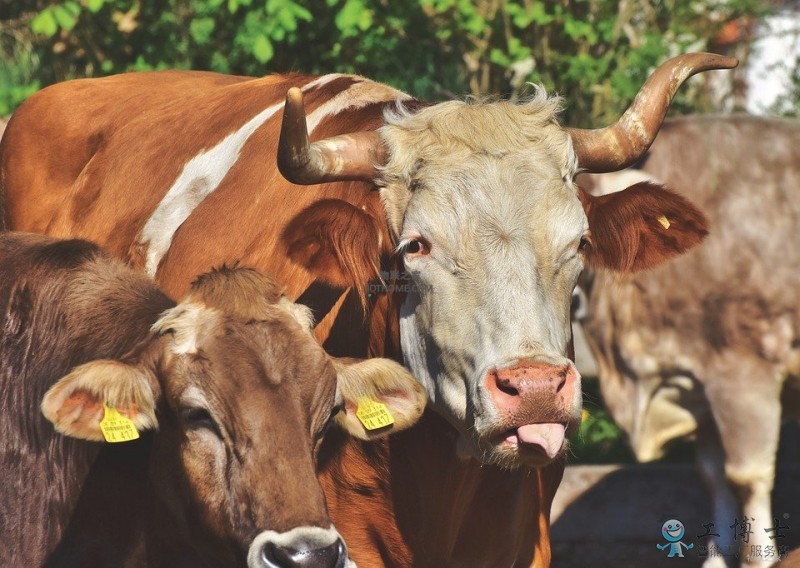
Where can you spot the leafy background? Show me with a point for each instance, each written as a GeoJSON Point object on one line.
{"type": "Point", "coordinates": [594, 52]}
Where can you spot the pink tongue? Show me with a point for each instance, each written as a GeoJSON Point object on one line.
{"type": "Point", "coordinates": [550, 437]}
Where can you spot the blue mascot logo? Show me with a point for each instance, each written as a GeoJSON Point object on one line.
{"type": "Point", "coordinates": [673, 531]}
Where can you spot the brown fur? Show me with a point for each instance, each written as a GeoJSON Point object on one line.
{"type": "Point", "coordinates": [723, 318]}
{"type": "Point", "coordinates": [194, 491]}
{"type": "Point", "coordinates": [425, 506]}
{"type": "Point", "coordinates": [244, 293]}
{"type": "Point", "coordinates": [626, 234]}
{"type": "Point", "coordinates": [336, 242]}
{"type": "Point", "coordinates": [62, 307]}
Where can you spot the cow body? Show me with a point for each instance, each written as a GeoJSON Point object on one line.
{"type": "Point", "coordinates": [38, 348]}
{"type": "Point", "coordinates": [707, 345]}
{"type": "Point", "coordinates": [240, 391]}
{"type": "Point", "coordinates": [474, 204]}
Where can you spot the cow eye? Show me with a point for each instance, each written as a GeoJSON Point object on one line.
{"type": "Point", "coordinates": [416, 246]}
{"type": "Point", "coordinates": [321, 434]}
{"type": "Point", "coordinates": [198, 418]}
{"type": "Point", "coordinates": [585, 241]}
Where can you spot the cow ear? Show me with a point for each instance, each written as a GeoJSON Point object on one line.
{"type": "Point", "coordinates": [337, 242]}
{"type": "Point", "coordinates": [380, 397]}
{"type": "Point", "coordinates": [77, 403]}
{"type": "Point", "coordinates": [641, 227]}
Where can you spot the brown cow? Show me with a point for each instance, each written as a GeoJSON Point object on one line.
{"type": "Point", "coordinates": [471, 205]}
{"type": "Point", "coordinates": [238, 388]}
{"type": "Point", "coordinates": [708, 346]}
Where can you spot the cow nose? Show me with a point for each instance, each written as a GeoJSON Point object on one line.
{"type": "Point", "coordinates": [305, 556]}
{"type": "Point", "coordinates": [512, 387]}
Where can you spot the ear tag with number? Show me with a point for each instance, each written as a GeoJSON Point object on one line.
{"type": "Point", "coordinates": [664, 221]}
{"type": "Point", "coordinates": [117, 427]}
{"type": "Point", "coordinates": [373, 414]}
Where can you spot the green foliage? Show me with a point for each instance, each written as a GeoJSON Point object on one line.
{"type": "Point", "coordinates": [788, 105]}
{"type": "Point", "coordinates": [594, 52]}
{"type": "Point", "coordinates": [17, 73]}
{"type": "Point", "coordinates": [599, 439]}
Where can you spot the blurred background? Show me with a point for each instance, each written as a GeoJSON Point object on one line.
{"type": "Point", "coordinates": [595, 53]}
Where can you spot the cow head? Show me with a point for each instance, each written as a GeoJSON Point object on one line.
{"type": "Point", "coordinates": [241, 395]}
{"type": "Point", "coordinates": [481, 202]}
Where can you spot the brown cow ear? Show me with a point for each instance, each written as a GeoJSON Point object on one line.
{"type": "Point", "coordinates": [380, 397]}
{"type": "Point", "coordinates": [76, 403]}
{"type": "Point", "coordinates": [337, 242]}
{"type": "Point", "coordinates": [641, 227]}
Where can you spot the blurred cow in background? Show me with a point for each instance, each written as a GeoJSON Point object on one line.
{"type": "Point", "coordinates": [709, 345]}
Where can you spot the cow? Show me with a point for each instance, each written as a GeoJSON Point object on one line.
{"type": "Point", "coordinates": [231, 377]}
{"type": "Point", "coordinates": [448, 236]}
{"type": "Point", "coordinates": [708, 345]}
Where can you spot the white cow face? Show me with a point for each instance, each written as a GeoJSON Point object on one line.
{"type": "Point", "coordinates": [491, 231]}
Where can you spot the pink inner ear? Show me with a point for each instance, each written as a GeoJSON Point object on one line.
{"type": "Point", "coordinates": [81, 402]}
{"type": "Point", "coordinates": [85, 407]}
{"type": "Point", "coordinates": [627, 234]}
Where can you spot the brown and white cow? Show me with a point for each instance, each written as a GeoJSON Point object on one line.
{"type": "Point", "coordinates": [472, 204]}
{"type": "Point", "coordinates": [708, 346]}
{"type": "Point", "coordinates": [232, 379]}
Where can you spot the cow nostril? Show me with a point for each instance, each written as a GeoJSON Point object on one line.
{"type": "Point", "coordinates": [506, 387]}
{"type": "Point", "coordinates": [562, 376]}
{"type": "Point", "coordinates": [332, 556]}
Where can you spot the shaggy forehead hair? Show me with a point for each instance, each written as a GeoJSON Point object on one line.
{"type": "Point", "coordinates": [246, 294]}
{"type": "Point", "coordinates": [446, 135]}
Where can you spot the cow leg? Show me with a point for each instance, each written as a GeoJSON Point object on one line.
{"type": "Point", "coordinates": [746, 408]}
{"type": "Point", "coordinates": [725, 507]}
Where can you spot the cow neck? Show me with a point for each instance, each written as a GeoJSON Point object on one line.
{"type": "Point", "coordinates": [423, 504]}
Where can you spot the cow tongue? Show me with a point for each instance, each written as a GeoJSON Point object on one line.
{"type": "Point", "coordinates": [550, 437]}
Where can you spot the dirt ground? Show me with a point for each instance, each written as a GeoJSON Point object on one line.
{"type": "Point", "coordinates": [611, 516]}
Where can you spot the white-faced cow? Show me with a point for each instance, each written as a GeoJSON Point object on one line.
{"type": "Point", "coordinates": [232, 379]}
{"type": "Point", "coordinates": [709, 345]}
{"type": "Point", "coordinates": [473, 205]}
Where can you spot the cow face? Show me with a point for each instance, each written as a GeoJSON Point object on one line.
{"type": "Point", "coordinates": [242, 395]}
{"type": "Point", "coordinates": [494, 235]}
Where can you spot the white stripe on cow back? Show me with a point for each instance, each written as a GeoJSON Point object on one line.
{"type": "Point", "coordinates": [203, 173]}
{"type": "Point", "coordinates": [200, 177]}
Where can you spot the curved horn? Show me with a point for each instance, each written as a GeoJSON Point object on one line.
{"type": "Point", "coordinates": [618, 146]}
{"type": "Point", "coordinates": [346, 157]}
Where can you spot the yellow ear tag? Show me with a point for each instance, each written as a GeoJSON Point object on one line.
{"type": "Point", "coordinates": [373, 414]}
{"type": "Point", "coordinates": [116, 427]}
{"type": "Point", "coordinates": [664, 221]}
